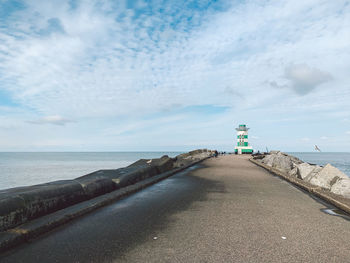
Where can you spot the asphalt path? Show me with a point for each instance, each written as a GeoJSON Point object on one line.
{"type": "Point", "coordinates": [224, 210]}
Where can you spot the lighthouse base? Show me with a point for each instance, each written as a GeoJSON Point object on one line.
{"type": "Point", "coordinates": [243, 150]}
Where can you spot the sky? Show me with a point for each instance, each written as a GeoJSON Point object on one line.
{"type": "Point", "coordinates": [174, 75]}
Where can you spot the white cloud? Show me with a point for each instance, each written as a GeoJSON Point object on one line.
{"type": "Point", "coordinates": [348, 132]}
{"type": "Point", "coordinates": [55, 119]}
{"type": "Point", "coordinates": [304, 78]}
{"type": "Point", "coordinates": [106, 62]}
{"type": "Point", "coordinates": [104, 66]}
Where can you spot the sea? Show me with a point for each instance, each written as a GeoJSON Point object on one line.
{"type": "Point", "coordinates": [29, 168]}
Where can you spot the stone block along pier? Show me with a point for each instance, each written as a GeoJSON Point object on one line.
{"type": "Point", "coordinates": [224, 209]}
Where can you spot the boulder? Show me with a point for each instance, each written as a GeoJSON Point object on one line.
{"type": "Point", "coordinates": [326, 177]}
{"type": "Point", "coordinates": [304, 169]}
{"type": "Point", "coordinates": [279, 160]}
{"type": "Point", "coordinates": [268, 159]}
{"type": "Point", "coordinates": [282, 162]}
{"type": "Point", "coordinates": [293, 172]}
{"type": "Point", "coordinates": [313, 173]}
{"type": "Point", "coordinates": [342, 187]}
{"type": "Point", "coordinates": [295, 160]}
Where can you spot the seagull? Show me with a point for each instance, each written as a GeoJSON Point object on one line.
{"type": "Point", "coordinates": [317, 149]}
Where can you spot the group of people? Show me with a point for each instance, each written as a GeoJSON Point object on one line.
{"type": "Point", "coordinates": [216, 153]}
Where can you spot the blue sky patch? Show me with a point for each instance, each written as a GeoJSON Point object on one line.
{"type": "Point", "coordinates": [5, 99]}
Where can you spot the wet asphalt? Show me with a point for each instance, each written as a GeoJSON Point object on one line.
{"type": "Point", "coordinates": [225, 210]}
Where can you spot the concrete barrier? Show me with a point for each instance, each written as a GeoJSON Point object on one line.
{"type": "Point", "coordinates": [22, 204]}
{"type": "Point", "coordinates": [135, 172]}
{"type": "Point", "coordinates": [186, 158]}
{"type": "Point", "coordinates": [31, 229]}
{"type": "Point", "coordinates": [18, 205]}
{"type": "Point", "coordinates": [93, 187]}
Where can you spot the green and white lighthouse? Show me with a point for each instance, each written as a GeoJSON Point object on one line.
{"type": "Point", "coordinates": [243, 146]}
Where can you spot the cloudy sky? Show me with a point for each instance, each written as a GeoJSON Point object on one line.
{"type": "Point", "coordinates": [174, 75]}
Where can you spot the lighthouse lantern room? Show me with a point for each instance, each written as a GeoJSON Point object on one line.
{"type": "Point", "coordinates": [243, 146]}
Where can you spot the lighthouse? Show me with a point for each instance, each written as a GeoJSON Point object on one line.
{"type": "Point", "coordinates": [243, 146]}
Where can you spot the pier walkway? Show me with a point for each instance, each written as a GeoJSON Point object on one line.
{"type": "Point", "coordinates": [226, 210]}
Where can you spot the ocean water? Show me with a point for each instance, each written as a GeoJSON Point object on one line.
{"type": "Point", "coordinates": [339, 160]}
{"type": "Point", "coordinates": [22, 169]}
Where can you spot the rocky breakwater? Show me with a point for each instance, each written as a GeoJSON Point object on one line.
{"type": "Point", "coordinates": [327, 177]}
{"type": "Point", "coordinates": [22, 204]}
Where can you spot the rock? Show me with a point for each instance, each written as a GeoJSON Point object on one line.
{"type": "Point", "coordinates": [282, 162]}
{"type": "Point", "coordinates": [342, 187]}
{"type": "Point", "coordinates": [268, 159]}
{"type": "Point", "coordinates": [295, 160]}
{"type": "Point", "coordinates": [293, 172]}
{"type": "Point", "coordinates": [279, 160]}
{"type": "Point", "coordinates": [326, 177]}
{"type": "Point", "coordinates": [313, 173]}
{"type": "Point", "coordinates": [304, 169]}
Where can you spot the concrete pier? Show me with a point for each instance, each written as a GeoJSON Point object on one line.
{"type": "Point", "coordinates": [226, 210]}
